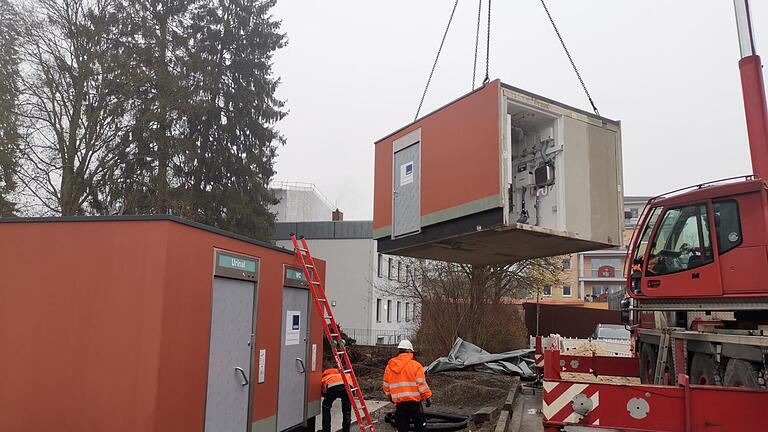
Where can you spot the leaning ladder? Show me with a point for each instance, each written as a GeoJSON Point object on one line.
{"type": "Point", "coordinates": [662, 359]}
{"type": "Point", "coordinates": [332, 333]}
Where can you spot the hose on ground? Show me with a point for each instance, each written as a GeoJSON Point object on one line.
{"type": "Point", "coordinates": [437, 422]}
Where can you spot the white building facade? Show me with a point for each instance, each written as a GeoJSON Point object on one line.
{"type": "Point", "coordinates": [361, 285]}
{"type": "Point", "coordinates": [300, 202]}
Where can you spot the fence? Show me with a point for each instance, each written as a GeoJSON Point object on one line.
{"type": "Point", "coordinates": [373, 337]}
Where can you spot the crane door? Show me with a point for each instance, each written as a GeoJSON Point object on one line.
{"type": "Point", "coordinates": [681, 260]}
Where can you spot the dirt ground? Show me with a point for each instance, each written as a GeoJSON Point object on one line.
{"type": "Point", "coordinates": [453, 392]}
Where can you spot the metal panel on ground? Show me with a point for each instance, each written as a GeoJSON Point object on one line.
{"type": "Point", "coordinates": [293, 358]}
{"type": "Point", "coordinates": [229, 364]}
{"type": "Point", "coordinates": [406, 193]}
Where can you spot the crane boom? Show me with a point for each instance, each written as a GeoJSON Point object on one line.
{"type": "Point", "coordinates": [753, 91]}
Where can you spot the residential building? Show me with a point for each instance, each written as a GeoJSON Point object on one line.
{"type": "Point", "coordinates": [300, 202]}
{"type": "Point", "coordinates": [591, 276]}
{"type": "Point", "coordinates": [361, 285]}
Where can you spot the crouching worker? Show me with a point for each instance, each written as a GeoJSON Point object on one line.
{"type": "Point", "coordinates": [333, 388]}
{"type": "Point", "coordinates": [406, 386]}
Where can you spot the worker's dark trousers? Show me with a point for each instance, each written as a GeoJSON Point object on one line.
{"type": "Point", "coordinates": [337, 392]}
{"type": "Point", "coordinates": [407, 413]}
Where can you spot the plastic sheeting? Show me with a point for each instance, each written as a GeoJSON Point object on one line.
{"type": "Point", "coordinates": [467, 356]}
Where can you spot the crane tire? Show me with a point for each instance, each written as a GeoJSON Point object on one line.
{"type": "Point", "coordinates": [647, 363]}
{"type": "Point", "coordinates": [741, 373]}
{"type": "Point", "coordinates": [705, 370]}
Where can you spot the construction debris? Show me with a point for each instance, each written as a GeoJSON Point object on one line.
{"type": "Point", "coordinates": [466, 356]}
{"type": "Point", "coordinates": [588, 348]}
{"type": "Point", "coordinates": [585, 377]}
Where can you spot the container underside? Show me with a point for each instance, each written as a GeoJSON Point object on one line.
{"type": "Point", "coordinates": [502, 244]}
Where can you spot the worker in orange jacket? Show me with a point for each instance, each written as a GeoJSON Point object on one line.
{"type": "Point", "coordinates": [332, 388]}
{"type": "Point", "coordinates": [406, 386]}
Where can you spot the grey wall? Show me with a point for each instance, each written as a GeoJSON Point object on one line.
{"type": "Point", "coordinates": [347, 277]}
{"type": "Point", "coordinates": [300, 205]}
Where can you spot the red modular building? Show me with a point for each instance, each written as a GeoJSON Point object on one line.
{"type": "Point", "coordinates": [496, 176]}
{"type": "Point", "coordinates": [152, 324]}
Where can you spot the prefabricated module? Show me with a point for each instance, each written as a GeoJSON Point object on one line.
{"type": "Point", "coordinates": [153, 323]}
{"type": "Point", "coordinates": [497, 176]}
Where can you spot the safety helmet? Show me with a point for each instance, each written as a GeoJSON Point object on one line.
{"type": "Point", "coordinates": [405, 344]}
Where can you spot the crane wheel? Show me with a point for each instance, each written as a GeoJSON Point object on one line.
{"type": "Point", "coordinates": [647, 363]}
{"type": "Point", "coordinates": [741, 373]}
{"type": "Point", "coordinates": [705, 370]}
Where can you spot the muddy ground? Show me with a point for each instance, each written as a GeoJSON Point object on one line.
{"type": "Point", "coordinates": [453, 392]}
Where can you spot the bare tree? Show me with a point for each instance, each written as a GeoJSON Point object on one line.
{"type": "Point", "coordinates": [472, 302]}
{"type": "Point", "coordinates": [70, 103]}
{"type": "Point", "coordinates": [9, 72]}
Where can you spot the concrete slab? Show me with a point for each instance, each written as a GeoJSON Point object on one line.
{"type": "Point", "coordinates": [373, 405]}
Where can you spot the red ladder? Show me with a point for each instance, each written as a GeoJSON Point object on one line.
{"type": "Point", "coordinates": [332, 333]}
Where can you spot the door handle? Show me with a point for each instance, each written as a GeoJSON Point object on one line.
{"type": "Point", "coordinates": [242, 373]}
{"type": "Point", "coordinates": [303, 367]}
{"type": "Point", "coordinates": [654, 283]}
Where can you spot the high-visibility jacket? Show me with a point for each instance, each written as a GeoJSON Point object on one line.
{"type": "Point", "coordinates": [404, 380]}
{"type": "Point", "coordinates": [332, 378]}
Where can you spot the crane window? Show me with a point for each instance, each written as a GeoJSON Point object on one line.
{"type": "Point", "coordinates": [643, 244]}
{"type": "Point", "coordinates": [682, 241]}
{"type": "Point", "coordinates": [727, 225]}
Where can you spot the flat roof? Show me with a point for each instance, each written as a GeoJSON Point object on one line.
{"type": "Point", "coordinates": [143, 218]}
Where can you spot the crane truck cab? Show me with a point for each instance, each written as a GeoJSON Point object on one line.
{"type": "Point", "coordinates": [704, 246]}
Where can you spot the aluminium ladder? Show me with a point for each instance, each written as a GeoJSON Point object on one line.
{"type": "Point", "coordinates": [333, 334]}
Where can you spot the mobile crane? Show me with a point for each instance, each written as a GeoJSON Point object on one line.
{"type": "Point", "coordinates": [699, 256]}
{"type": "Point", "coordinates": [698, 300]}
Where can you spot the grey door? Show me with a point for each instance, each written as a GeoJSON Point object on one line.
{"type": "Point", "coordinates": [229, 361]}
{"type": "Point", "coordinates": [293, 358]}
{"type": "Point", "coordinates": [406, 217]}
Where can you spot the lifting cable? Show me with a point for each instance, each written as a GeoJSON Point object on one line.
{"type": "Point", "coordinates": [488, 45]}
{"type": "Point", "coordinates": [477, 41]}
{"type": "Point", "coordinates": [567, 53]}
{"type": "Point", "coordinates": [436, 58]}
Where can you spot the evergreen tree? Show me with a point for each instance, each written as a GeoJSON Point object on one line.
{"type": "Point", "coordinates": [232, 141]}
{"type": "Point", "coordinates": [202, 143]}
{"type": "Point", "coordinates": [8, 99]}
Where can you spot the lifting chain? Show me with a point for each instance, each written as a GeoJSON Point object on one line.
{"type": "Point", "coordinates": [568, 54]}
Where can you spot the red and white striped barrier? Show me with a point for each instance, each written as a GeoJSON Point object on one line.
{"type": "Point", "coordinates": [574, 403]}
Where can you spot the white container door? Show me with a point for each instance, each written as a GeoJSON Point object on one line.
{"type": "Point", "coordinates": [292, 394]}
{"type": "Point", "coordinates": [406, 196]}
{"type": "Point", "coordinates": [229, 361]}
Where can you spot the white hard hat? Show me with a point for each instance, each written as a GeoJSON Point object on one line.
{"type": "Point", "coordinates": [405, 344]}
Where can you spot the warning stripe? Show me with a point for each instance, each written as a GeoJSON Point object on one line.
{"type": "Point", "coordinates": [539, 360]}
{"type": "Point", "coordinates": [558, 399]}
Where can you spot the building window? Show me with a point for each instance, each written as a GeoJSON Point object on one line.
{"type": "Point", "coordinates": [399, 266]}
{"type": "Point", "coordinates": [389, 310]}
{"type": "Point", "coordinates": [413, 313]}
{"type": "Point", "coordinates": [389, 268]}
{"type": "Point", "coordinates": [547, 291]}
{"type": "Point", "coordinates": [398, 312]}
{"type": "Point", "coordinates": [566, 290]}
{"type": "Point", "coordinates": [378, 310]}
{"type": "Point", "coordinates": [606, 267]}
{"type": "Point", "coordinates": [407, 273]}
{"type": "Point", "coordinates": [407, 312]}
{"type": "Point", "coordinates": [567, 264]}
{"type": "Point", "coordinates": [379, 269]}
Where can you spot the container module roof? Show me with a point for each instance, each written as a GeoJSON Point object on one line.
{"type": "Point", "coordinates": [514, 89]}
{"type": "Point", "coordinates": [125, 218]}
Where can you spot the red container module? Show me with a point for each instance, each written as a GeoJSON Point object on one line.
{"type": "Point", "coordinates": [152, 324]}
{"type": "Point", "coordinates": [497, 176]}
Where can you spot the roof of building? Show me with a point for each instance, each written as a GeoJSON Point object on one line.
{"type": "Point", "coordinates": [325, 230]}
{"type": "Point", "coordinates": [123, 218]}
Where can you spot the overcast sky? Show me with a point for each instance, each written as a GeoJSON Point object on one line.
{"type": "Point", "coordinates": [353, 72]}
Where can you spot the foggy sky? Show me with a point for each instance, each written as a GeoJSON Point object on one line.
{"type": "Point", "coordinates": [353, 72]}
